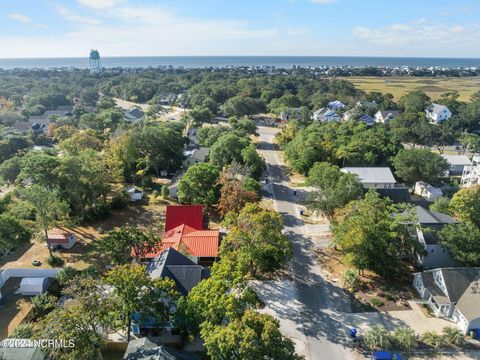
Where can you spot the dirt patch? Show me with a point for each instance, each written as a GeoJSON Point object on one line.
{"type": "Point", "coordinates": [370, 292]}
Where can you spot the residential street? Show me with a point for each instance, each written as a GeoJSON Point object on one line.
{"type": "Point", "coordinates": [320, 305]}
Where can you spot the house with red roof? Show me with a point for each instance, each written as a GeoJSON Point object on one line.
{"type": "Point", "coordinates": [186, 233]}
{"type": "Point", "coordinates": [61, 239]}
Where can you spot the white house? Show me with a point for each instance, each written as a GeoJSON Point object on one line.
{"type": "Point", "coordinates": [373, 177]}
{"type": "Point", "coordinates": [452, 293]}
{"type": "Point", "coordinates": [427, 191]}
{"type": "Point", "coordinates": [457, 163]}
{"type": "Point", "coordinates": [61, 239]}
{"type": "Point", "coordinates": [325, 115]}
{"type": "Point", "coordinates": [437, 113]}
{"type": "Point", "coordinates": [134, 194]}
{"type": "Point", "coordinates": [384, 116]}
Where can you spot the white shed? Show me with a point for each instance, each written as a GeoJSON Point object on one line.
{"type": "Point", "coordinates": [427, 191]}
{"type": "Point", "coordinates": [33, 286]}
{"type": "Point", "coordinates": [134, 194]}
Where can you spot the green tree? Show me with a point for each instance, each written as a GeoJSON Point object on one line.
{"type": "Point", "coordinates": [369, 234]}
{"type": "Point", "coordinates": [465, 204]}
{"type": "Point", "coordinates": [377, 338]}
{"type": "Point", "coordinates": [333, 188]}
{"type": "Point", "coordinates": [200, 115]}
{"type": "Point", "coordinates": [43, 303]}
{"type": "Point", "coordinates": [414, 101]}
{"type": "Point", "coordinates": [48, 207]}
{"type": "Point", "coordinates": [442, 205]}
{"type": "Point", "coordinates": [10, 169]}
{"type": "Point", "coordinates": [242, 105]}
{"type": "Point", "coordinates": [127, 243]}
{"type": "Point", "coordinates": [199, 185]}
{"type": "Point", "coordinates": [253, 161]}
{"type": "Point", "coordinates": [81, 141]}
{"type": "Point", "coordinates": [134, 291]}
{"type": "Point", "coordinates": [251, 337]}
{"type": "Point", "coordinates": [257, 237]}
{"type": "Point", "coordinates": [41, 167]}
{"type": "Point", "coordinates": [227, 149]}
{"type": "Point", "coordinates": [414, 165]}
{"type": "Point", "coordinates": [12, 232]}
{"type": "Point", "coordinates": [463, 241]}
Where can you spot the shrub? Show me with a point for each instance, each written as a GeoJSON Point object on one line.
{"type": "Point", "coordinates": [376, 302]}
{"type": "Point", "coordinates": [89, 272]}
{"type": "Point", "coordinates": [431, 338]}
{"type": "Point", "coordinates": [350, 278]}
{"type": "Point", "coordinates": [405, 338]}
{"type": "Point", "coordinates": [66, 274]}
{"type": "Point", "coordinates": [119, 200]}
{"type": "Point", "coordinates": [453, 336]}
{"type": "Point", "coordinates": [55, 261]}
{"type": "Point", "coordinates": [22, 331]}
{"type": "Point", "coordinates": [377, 338]}
{"type": "Point", "coordinates": [42, 304]}
{"type": "Point", "coordinates": [165, 192]}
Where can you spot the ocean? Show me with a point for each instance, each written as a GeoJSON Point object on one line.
{"type": "Point", "coordinates": [224, 61]}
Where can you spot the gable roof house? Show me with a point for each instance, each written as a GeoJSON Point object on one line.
{"type": "Point", "coordinates": [61, 239]}
{"type": "Point", "coordinates": [336, 105]}
{"type": "Point", "coordinates": [195, 156]}
{"type": "Point", "coordinates": [437, 114]}
{"type": "Point", "coordinates": [325, 115]}
{"type": "Point", "coordinates": [367, 119]}
{"type": "Point", "coordinates": [457, 163]}
{"type": "Point", "coordinates": [373, 177]}
{"type": "Point", "coordinates": [147, 349]}
{"type": "Point", "coordinates": [425, 231]}
{"type": "Point", "coordinates": [176, 266]}
{"type": "Point", "coordinates": [452, 293]}
{"type": "Point", "coordinates": [384, 116]}
{"type": "Point", "coordinates": [427, 191]}
{"type": "Point", "coordinates": [133, 115]}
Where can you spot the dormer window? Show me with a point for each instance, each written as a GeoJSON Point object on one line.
{"type": "Point", "coordinates": [438, 278]}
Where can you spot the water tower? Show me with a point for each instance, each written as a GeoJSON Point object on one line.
{"type": "Point", "coordinates": [95, 62]}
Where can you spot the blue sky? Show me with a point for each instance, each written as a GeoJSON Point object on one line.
{"type": "Point", "coordinates": [56, 28]}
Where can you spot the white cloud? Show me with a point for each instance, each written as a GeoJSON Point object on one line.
{"type": "Point", "coordinates": [99, 4]}
{"type": "Point", "coordinates": [75, 18]}
{"type": "Point", "coordinates": [426, 38]}
{"type": "Point", "coordinates": [19, 17]}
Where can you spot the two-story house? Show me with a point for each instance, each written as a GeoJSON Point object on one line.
{"type": "Point", "coordinates": [452, 293]}
{"type": "Point", "coordinates": [437, 114]}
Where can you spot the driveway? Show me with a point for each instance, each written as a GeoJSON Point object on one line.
{"type": "Point", "coordinates": [318, 314]}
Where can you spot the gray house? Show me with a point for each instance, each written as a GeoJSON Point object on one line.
{"type": "Point", "coordinates": [150, 349]}
{"type": "Point", "coordinates": [373, 177]}
{"type": "Point", "coordinates": [452, 293]}
{"type": "Point", "coordinates": [425, 232]}
{"type": "Point", "coordinates": [457, 163]}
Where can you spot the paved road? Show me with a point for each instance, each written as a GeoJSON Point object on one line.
{"type": "Point", "coordinates": [322, 304]}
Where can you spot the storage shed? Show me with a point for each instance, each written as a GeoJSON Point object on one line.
{"type": "Point", "coordinates": [33, 286]}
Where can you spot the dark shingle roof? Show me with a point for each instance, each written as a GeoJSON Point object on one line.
{"type": "Point", "coordinates": [428, 217]}
{"type": "Point", "coordinates": [146, 349]}
{"type": "Point", "coordinates": [179, 268]}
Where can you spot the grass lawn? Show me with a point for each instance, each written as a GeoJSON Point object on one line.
{"type": "Point", "coordinates": [434, 87]}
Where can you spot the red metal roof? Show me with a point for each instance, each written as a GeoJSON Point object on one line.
{"type": "Point", "coordinates": [183, 238]}
{"type": "Point", "coordinates": [191, 215]}
{"type": "Point", "coordinates": [59, 238]}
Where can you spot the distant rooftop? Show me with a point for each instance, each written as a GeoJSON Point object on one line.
{"type": "Point", "coordinates": [372, 174]}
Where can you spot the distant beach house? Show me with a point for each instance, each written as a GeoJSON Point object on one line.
{"type": "Point", "coordinates": [325, 115]}
{"type": "Point", "coordinates": [133, 115]}
{"type": "Point", "coordinates": [336, 105]}
{"type": "Point", "coordinates": [373, 177]}
{"type": "Point", "coordinates": [367, 119]}
{"type": "Point", "coordinates": [385, 116]}
{"type": "Point", "coordinates": [452, 293]}
{"type": "Point", "coordinates": [437, 114]}
{"type": "Point", "coordinates": [457, 163]}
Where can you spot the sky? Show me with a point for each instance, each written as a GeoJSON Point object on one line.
{"type": "Point", "coordinates": [70, 28]}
